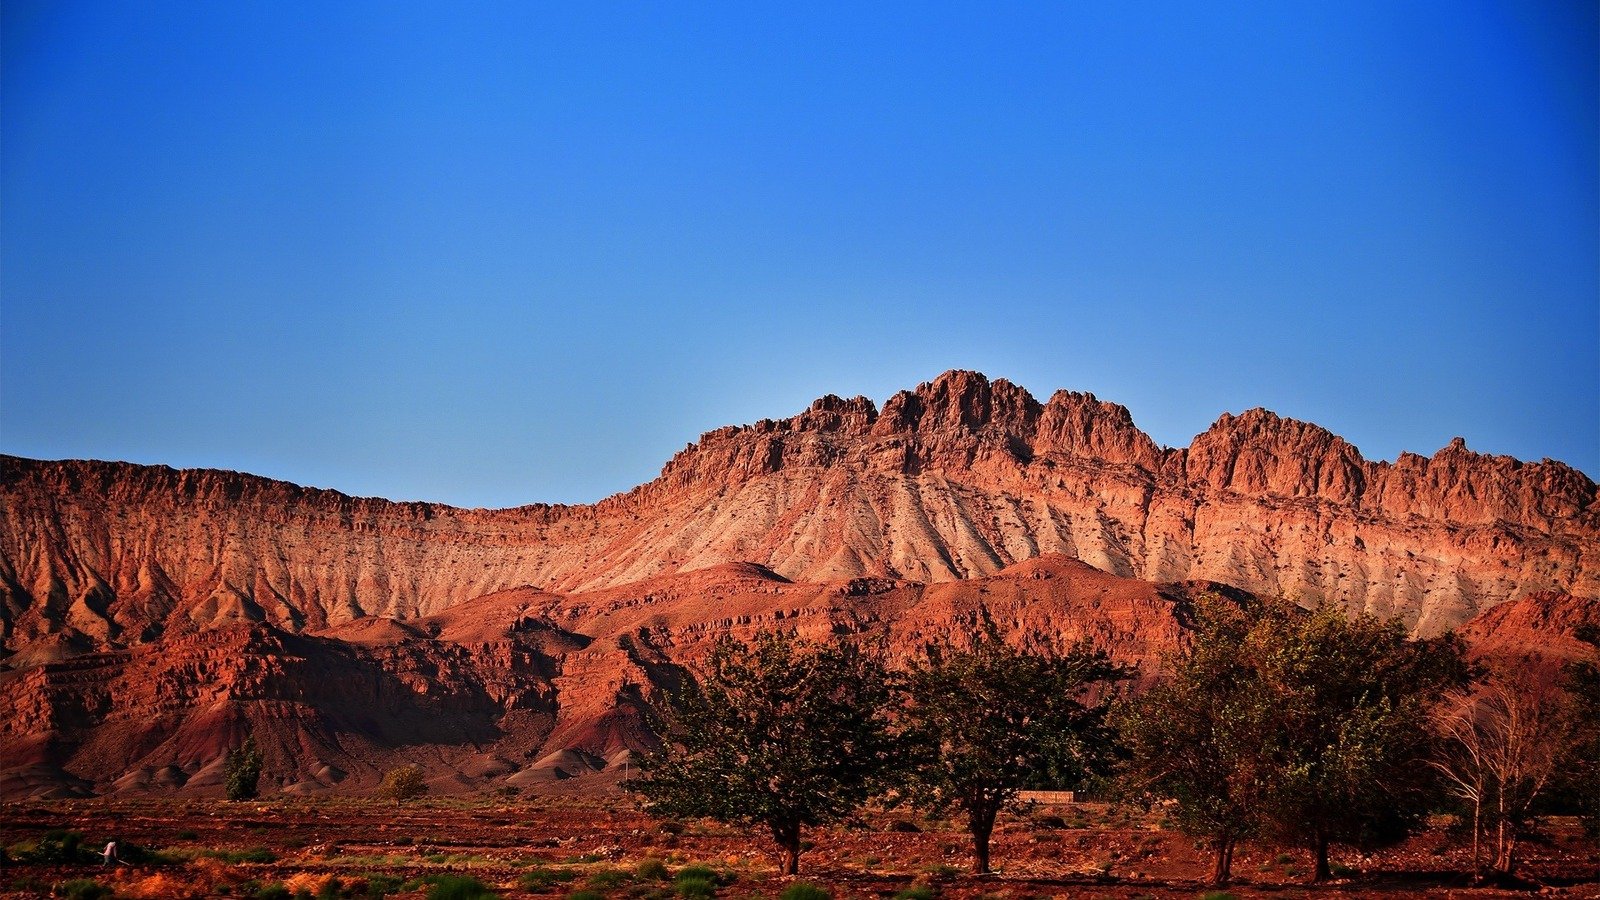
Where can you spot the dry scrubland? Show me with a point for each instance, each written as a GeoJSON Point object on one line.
{"type": "Point", "coordinates": [557, 848]}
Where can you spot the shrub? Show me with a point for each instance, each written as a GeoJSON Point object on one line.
{"type": "Point", "coordinates": [541, 879]}
{"type": "Point", "coordinates": [273, 892]}
{"type": "Point", "coordinates": [456, 887]}
{"type": "Point", "coordinates": [652, 869]}
{"type": "Point", "coordinates": [917, 892]}
{"type": "Point", "coordinates": [904, 826]}
{"type": "Point", "coordinates": [803, 891]}
{"type": "Point", "coordinates": [250, 855]}
{"type": "Point", "coordinates": [404, 783]}
{"type": "Point", "coordinates": [586, 895]}
{"type": "Point", "coordinates": [607, 878]}
{"type": "Point", "coordinates": [380, 885]}
{"type": "Point", "coordinates": [59, 847]}
{"type": "Point", "coordinates": [695, 888]}
{"type": "Point", "coordinates": [1217, 895]}
{"type": "Point", "coordinates": [242, 771]}
{"type": "Point", "coordinates": [82, 889]}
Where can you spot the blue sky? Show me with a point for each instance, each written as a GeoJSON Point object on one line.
{"type": "Point", "coordinates": [491, 254]}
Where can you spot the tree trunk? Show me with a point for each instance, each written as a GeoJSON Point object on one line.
{"type": "Point", "coordinates": [1477, 840]}
{"type": "Point", "coordinates": [787, 836]}
{"type": "Point", "coordinates": [1323, 871]}
{"type": "Point", "coordinates": [1505, 861]}
{"type": "Point", "coordinates": [981, 824]}
{"type": "Point", "coordinates": [1223, 868]}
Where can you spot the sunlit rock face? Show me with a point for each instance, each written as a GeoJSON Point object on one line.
{"type": "Point", "coordinates": [193, 606]}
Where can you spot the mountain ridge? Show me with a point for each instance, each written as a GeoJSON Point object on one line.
{"type": "Point", "coordinates": [955, 479]}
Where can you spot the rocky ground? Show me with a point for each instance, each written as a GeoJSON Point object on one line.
{"type": "Point", "coordinates": [555, 847]}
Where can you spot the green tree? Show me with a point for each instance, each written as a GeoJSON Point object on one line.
{"type": "Point", "coordinates": [983, 719]}
{"type": "Point", "coordinates": [780, 733]}
{"type": "Point", "coordinates": [241, 770]}
{"type": "Point", "coordinates": [1306, 728]}
{"type": "Point", "coordinates": [402, 784]}
{"type": "Point", "coordinates": [1197, 736]}
{"type": "Point", "coordinates": [1583, 776]}
{"type": "Point", "coordinates": [1350, 699]}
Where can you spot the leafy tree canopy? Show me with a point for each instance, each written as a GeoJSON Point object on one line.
{"type": "Point", "coordinates": [984, 719]}
{"type": "Point", "coordinates": [781, 732]}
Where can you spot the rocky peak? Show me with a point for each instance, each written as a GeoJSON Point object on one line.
{"type": "Point", "coordinates": [1259, 453]}
{"type": "Point", "coordinates": [1080, 425]}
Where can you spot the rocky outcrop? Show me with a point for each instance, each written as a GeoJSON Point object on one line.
{"type": "Point", "coordinates": [502, 689]}
{"type": "Point", "coordinates": [957, 479]}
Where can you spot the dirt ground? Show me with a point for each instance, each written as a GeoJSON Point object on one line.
{"type": "Point", "coordinates": [555, 847]}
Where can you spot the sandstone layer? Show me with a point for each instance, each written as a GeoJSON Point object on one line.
{"type": "Point", "coordinates": [957, 479]}
{"type": "Point", "coordinates": [153, 617]}
{"type": "Point", "coordinates": [520, 688]}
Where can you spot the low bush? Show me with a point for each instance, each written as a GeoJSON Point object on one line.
{"type": "Point", "coordinates": [695, 888]}
{"type": "Point", "coordinates": [273, 892]}
{"type": "Point", "coordinates": [456, 887]}
{"type": "Point", "coordinates": [378, 885]}
{"type": "Point", "coordinates": [697, 871]}
{"type": "Point", "coordinates": [917, 892]}
{"type": "Point", "coordinates": [248, 855]}
{"type": "Point", "coordinates": [801, 890]}
{"type": "Point", "coordinates": [586, 895]}
{"type": "Point", "coordinates": [652, 869]}
{"type": "Point", "coordinates": [543, 879]}
{"type": "Point", "coordinates": [60, 847]}
{"type": "Point", "coordinates": [81, 889]}
{"type": "Point", "coordinates": [605, 879]}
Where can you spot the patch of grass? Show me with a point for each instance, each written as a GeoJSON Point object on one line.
{"type": "Point", "coordinates": [652, 869]}
{"type": "Point", "coordinates": [379, 885]}
{"type": "Point", "coordinates": [272, 891]}
{"type": "Point", "coordinates": [606, 879]}
{"type": "Point", "coordinates": [544, 879]}
{"type": "Point", "coordinates": [693, 888]}
{"type": "Point", "coordinates": [1340, 870]}
{"type": "Point", "coordinates": [248, 855]}
{"type": "Point", "coordinates": [456, 887]}
{"type": "Point", "coordinates": [941, 871]}
{"type": "Point", "coordinates": [586, 895]}
{"type": "Point", "coordinates": [917, 892]}
{"type": "Point", "coordinates": [587, 858]}
{"type": "Point", "coordinates": [187, 834]}
{"type": "Point", "coordinates": [371, 860]}
{"type": "Point", "coordinates": [801, 890]}
{"type": "Point", "coordinates": [82, 889]}
{"type": "Point", "coordinates": [697, 870]}
{"type": "Point", "coordinates": [1218, 895]}
{"type": "Point", "coordinates": [1284, 859]}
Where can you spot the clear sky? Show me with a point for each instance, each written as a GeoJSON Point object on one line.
{"type": "Point", "coordinates": [491, 254]}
